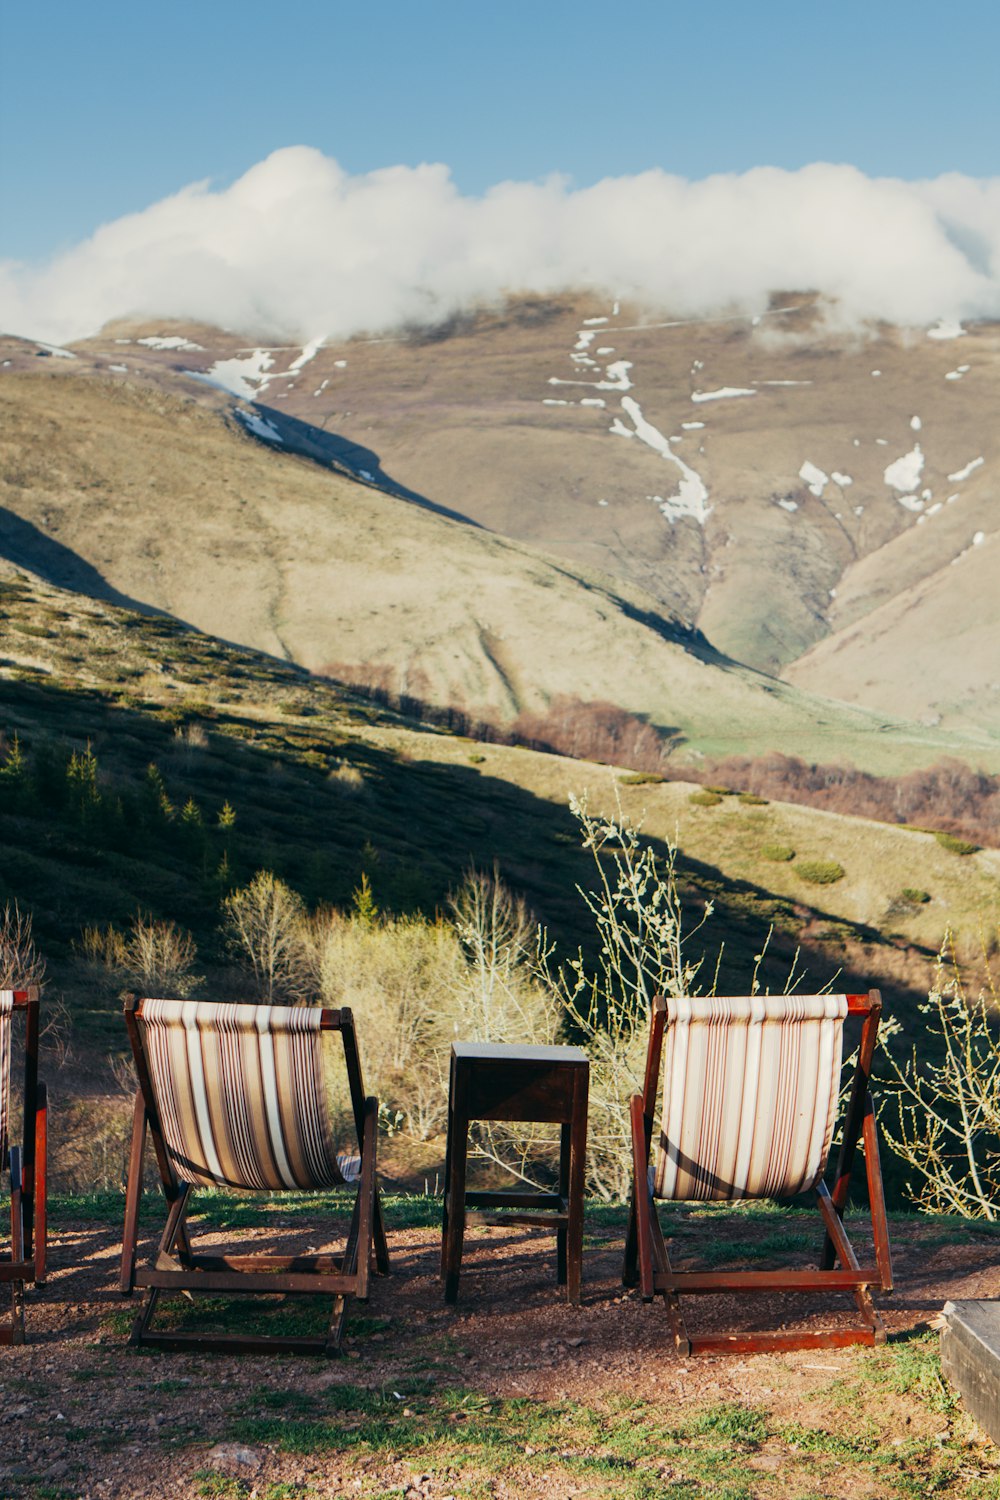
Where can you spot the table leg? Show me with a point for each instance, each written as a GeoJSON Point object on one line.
{"type": "Point", "coordinates": [577, 1165]}
{"type": "Point", "coordinates": [565, 1131]}
{"type": "Point", "coordinates": [454, 1194]}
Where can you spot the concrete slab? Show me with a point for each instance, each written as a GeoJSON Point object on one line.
{"type": "Point", "coordinates": [970, 1358]}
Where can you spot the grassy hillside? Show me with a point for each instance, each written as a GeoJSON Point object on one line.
{"type": "Point", "coordinates": [523, 419]}
{"type": "Point", "coordinates": [325, 788]}
{"type": "Point", "coordinates": [147, 768]}
{"type": "Point", "coordinates": [119, 490]}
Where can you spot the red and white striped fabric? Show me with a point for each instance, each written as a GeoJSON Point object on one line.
{"type": "Point", "coordinates": [6, 1011]}
{"type": "Point", "coordinates": [750, 1095]}
{"type": "Point", "coordinates": [241, 1093]}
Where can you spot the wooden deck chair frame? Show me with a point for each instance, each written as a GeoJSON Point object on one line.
{"type": "Point", "coordinates": [176, 1266]}
{"type": "Point", "coordinates": [648, 1263]}
{"type": "Point", "coordinates": [26, 1164]}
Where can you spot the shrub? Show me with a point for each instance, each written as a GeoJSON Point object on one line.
{"type": "Point", "coordinates": [159, 957]}
{"type": "Point", "coordinates": [347, 776]}
{"type": "Point", "coordinates": [154, 956]}
{"type": "Point", "coordinates": [721, 791]}
{"type": "Point", "coordinates": [955, 845]}
{"type": "Point", "coordinates": [820, 871]}
{"type": "Point", "coordinates": [637, 913]}
{"type": "Point", "coordinates": [415, 985]}
{"type": "Point", "coordinates": [705, 798]}
{"type": "Point", "coordinates": [500, 998]}
{"type": "Point", "coordinates": [399, 977]}
{"type": "Point", "coordinates": [265, 928]}
{"type": "Point", "coordinates": [642, 778]}
{"type": "Point", "coordinates": [21, 963]}
{"type": "Point", "coordinates": [104, 947]}
{"type": "Point", "coordinates": [916, 897]}
{"type": "Point", "coordinates": [750, 799]}
{"type": "Point", "coordinates": [777, 853]}
{"type": "Point", "coordinates": [947, 1125]}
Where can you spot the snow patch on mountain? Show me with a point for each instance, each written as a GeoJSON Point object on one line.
{"type": "Point", "coordinates": [245, 378]}
{"type": "Point", "coordinates": [691, 499]}
{"type": "Point", "coordinates": [725, 393]}
{"type": "Point", "coordinates": [970, 468]}
{"type": "Point", "coordinates": [309, 352]}
{"type": "Point", "coordinates": [173, 341]}
{"type": "Point", "coordinates": [814, 477]}
{"type": "Point", "coordinates": [904, 473]}
{"type": "Point", "coordinates": [945, 329]}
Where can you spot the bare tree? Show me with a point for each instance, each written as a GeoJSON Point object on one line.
{"type": "Point", "coordinates": [266, 929]}
{"type": "Point", "coordinates": [947, 1095]}
{"type": "Point", "coordinates": [159, 956]}
{"type": "Point", "coordinates": [21, 963]}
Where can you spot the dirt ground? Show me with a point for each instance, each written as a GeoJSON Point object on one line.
{"type": "Point", "coordinates": [85, 1416]}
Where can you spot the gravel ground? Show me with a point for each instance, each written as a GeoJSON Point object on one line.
{"type": "Point", "coordinates": [85, 1416]}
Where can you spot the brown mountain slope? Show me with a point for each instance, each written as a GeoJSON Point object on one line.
{"type": "Point", "coordinates": [116, 488]}
{"type": "Point", "coordinates": [782, 515]}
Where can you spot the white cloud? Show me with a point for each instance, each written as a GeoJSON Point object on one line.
{"type": "Point", "coordinates": [298, 248]}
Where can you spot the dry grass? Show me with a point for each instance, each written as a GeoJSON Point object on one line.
{"type": "Point", "coordinates": [270, 550]}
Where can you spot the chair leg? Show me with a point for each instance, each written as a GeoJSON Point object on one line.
{"type": "Point", "coordinates": [382, 1265]}
{"type": "Point", "coordinates": [366, 1199]}
{"type": "Point", "coordinates": [40, 1192]}
{"type": "Point", "coordinates": [641, 1198]}
{"type": "Point", "coordinates": [133, 1193]}
{"type": "Point", "coordinates": [348, 1264]}
{"type": "Point", "coordinates": [876, 1199]}
{"type": "Point", "coordinates": [173, 1231]}
{"type": "Point", "coordinates": [14, 1334]}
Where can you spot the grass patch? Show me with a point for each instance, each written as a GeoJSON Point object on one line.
{"type": "Point", "coordinates": [777, 853]}
{"type": "Point", "coordinates": [955, 845]}
{"type": "Point", "coordinates": [629, 1448]}
{"type": "Point", "coordinates": [820, 871]}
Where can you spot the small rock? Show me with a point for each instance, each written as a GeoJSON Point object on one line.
{"type": "Point", "coordinates": [236, 1455]}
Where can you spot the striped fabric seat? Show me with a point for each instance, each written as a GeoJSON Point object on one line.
{"type": "Point", "coordinates": [750, 1095]}
{"type": "Point", "coordinates": [6, 1011]}
{"type": "Point", "coordinates": [241, 1094]}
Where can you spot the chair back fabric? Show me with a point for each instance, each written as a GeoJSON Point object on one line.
{"type": "Point", "coordinates": [6, 1011]}
{"type": "Point", "coordinates": [241, 1093]}
{"type": "Point", "coordinates": [750, 1095]}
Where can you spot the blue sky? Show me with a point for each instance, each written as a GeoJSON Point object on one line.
{"type": "Point", "coordinates": [109, 106]}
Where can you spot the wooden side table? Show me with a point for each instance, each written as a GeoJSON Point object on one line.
{"type": "Point", "coordinates": [538, 1084]}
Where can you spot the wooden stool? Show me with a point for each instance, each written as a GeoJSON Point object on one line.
{"type": "Point", "coordinates": [543, 1084]}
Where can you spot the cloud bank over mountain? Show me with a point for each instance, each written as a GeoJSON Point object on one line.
{"type": "Point", "coordinates": [297, 248]}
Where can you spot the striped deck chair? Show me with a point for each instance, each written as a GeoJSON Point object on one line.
{"type": "Point", "coordinates": [750, 1090]}
{"type": "Point", "coordinates": [235, 1096]}
{"type": "Point", "coordinates": [26, 1163]}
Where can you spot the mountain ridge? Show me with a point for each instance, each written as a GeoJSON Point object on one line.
{"type": "Point", "coordinates": [767, 557]}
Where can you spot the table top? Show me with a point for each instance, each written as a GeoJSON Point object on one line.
{"type": "Point", "coordinates": [516, 1052]}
